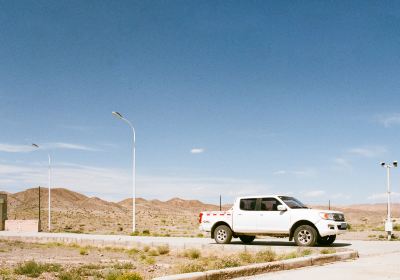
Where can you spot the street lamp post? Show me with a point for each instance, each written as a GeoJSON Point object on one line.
{"type": "Point", "coordinates": [119, 116]}
{"type": "Point", "coordinates": [388, 223]}
{"type": "Point", "coordinates": [49, 184]}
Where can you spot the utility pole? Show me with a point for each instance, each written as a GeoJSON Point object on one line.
{"type": "Point", "coordinates": [220, 205]}
{"type": "Point", "coordinates": [40, 220]}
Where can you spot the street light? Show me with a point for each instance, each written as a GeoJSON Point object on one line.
{"type": "Point", "coordinates": [49, 183]}
{"type": "Point", "coordinates": [119, 116]}
{"type": "Point", "coordinates": [388, 223]}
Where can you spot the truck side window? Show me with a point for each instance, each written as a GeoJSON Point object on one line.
{"type": "Point", "coordinates": [248, 204]}
{"type": "Point", "coordinates": [269, 204]}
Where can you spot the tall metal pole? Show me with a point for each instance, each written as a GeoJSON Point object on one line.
{"type": "Point", "coordinates": [389, 220]}
{"type": "Point", "coordinates": [118, 115]}
{"type": "Point", "coordinates": [388, 223]}
{"type": "Point", "coordinates": [49, 186]}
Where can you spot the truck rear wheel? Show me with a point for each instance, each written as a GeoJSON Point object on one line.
{"type": "Point", "coordinates": [305, 235]}
{"type": "Point", "coordinates": [326, 240]}
{"type": "Point", "coordinates": [246, 239]}
{"type": "Point", "coordinates": [223, 234]}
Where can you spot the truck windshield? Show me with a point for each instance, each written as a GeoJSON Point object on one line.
{"type": "Point", "coordinates": [292, 202]}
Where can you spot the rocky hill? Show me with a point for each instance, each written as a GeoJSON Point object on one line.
{"type": "Point", "coordinates": [75, 212]}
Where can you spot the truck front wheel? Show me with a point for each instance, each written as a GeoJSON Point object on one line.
{"type": "Point", "coordinates": [223, 234]}
{"type": "Point", "coordinates": [246, 239]}
{"type": "Point", "coordinates": [305, 235]}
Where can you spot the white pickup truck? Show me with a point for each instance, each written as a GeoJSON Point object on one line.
{"type": "Point", "coordinates": [273, 215]}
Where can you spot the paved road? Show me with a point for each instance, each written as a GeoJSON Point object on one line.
{"type": "Point", "coordinates": [364, 247]}
{"type": "Point", "coordinates": [378, 260]}
{"type": "Point", "coordinates": [374, 267]}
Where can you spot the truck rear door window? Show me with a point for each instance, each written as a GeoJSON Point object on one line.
{"type": "Point", "coordinates": [248, 204]}
{"type": "Point", "coordinates": [269, 204]}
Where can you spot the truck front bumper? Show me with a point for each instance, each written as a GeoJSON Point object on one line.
{"type": "Point", "coordinates": [330, 227]}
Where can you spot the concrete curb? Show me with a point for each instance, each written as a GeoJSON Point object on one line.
{"type": "Point", "coordinates": [248, 270]}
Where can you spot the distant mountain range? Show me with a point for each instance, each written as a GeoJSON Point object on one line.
{"type": "Point", "coordinates": [75, 212]}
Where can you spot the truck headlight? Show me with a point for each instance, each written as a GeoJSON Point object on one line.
{"type": "Point", "coordinates": [326, 216]}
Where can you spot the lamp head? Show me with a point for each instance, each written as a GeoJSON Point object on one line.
{"type": "Point", "coordinates": [383, 164]}
{"type": "Point", "coordinates": [118, 115]}
{"type": "Point", "coordinates": [35, 145]}
{"type": "Point", "coordinates": [395, 163]}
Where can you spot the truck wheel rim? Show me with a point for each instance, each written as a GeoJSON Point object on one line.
{"type": "Point", "coordinates": [222, 235]}
{"type": "Point", "coordinates": [304, 236]}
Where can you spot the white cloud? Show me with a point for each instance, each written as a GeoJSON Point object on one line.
{"type": "Point", "coordinates": [115, 184]}
{"type": "Point", "coordinates": [197, 150]}
{"type": "Point", "coordinates": [382, 196]}
{"type": "Point", "coordinates": [280, 172]}
{"type": "Point", "coordinates": [342, 162]}
{"type": "Point", "coordinates": [316, 193]}
{"type": "Point", "coordinates": [68, 146]}
{"type": "Point", "coordinates": [10, 148]}
{"type": "Point", "coordinates": [389, 119]}
{"type": "Point", "coordinates": [308, 172]}
{"type": "Point", "coordinates": [368, 151]}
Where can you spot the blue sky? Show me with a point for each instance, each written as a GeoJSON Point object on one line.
{"type": "Point", "coordinates": [298, 97]}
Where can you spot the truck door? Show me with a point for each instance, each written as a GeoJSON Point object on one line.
{"type": "Point", "coordinates": [245, 216]}
{"type": "Point", "coordinates": [270, 219]}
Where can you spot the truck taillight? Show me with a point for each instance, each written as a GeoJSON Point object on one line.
{"type": "Point", "coordinates": [200, 217]}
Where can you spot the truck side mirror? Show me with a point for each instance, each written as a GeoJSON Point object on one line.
{"type": "Point", "coordinates": [282, 208]}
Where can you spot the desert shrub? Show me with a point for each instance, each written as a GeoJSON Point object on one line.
{"type": "Point", "coordinates": [133, 251]}
{"type": "Point", "coordinates": [327, 251]}
{"type": "Point", "coordinates": [266, 256]}
{"type": "Point", "coordinates": [69, 275]}
{"type": "Point", "coordinates": [246, 257]}
{"type": "Point", "coordinates": [200, 235]}
{"type": "Point", "coordinates": [153, 252]}
{"type": "Point", "coordinates": [305, 252]}
{"type": "Point", "coordinates": [396, 227]}
{"type": "Point", "coordinates": [146, 232]}
{"type": "Point", "coordinates": [114, 275]}
{"type": "Point", "coordinates": [380, 228]}
{"type": "Point", "coordinates": [4, 272]}
{"type": "Point", "coordinates": [83, 251]}
{"type": "Point", "coordinates": [135, 233]}
{"type": "Point", "coordinates": [191, 267]}
{"type": "Point", "coordinates": [146, 248]}
{"type": "Point", "coordinates": [126, 265]}
{"type": "Point", "coordinates": [163, 249]}
{"type": "Point", "coordinates": [192, 253]}
{"type": "Point", "coordinates": [231, 261]}
{"type": "Point", "coordinates": [150, 260]}
{"type": "Point", "coordinates": [34, 269]}
{"type": "Point", "coordinates": [291, 255]}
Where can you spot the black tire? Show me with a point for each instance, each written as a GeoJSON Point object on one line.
{"type": "Point", "coordinates": [305, 235]}
{"type": "Point", "coordinates": [326, 240]}
{"type": "Point", "coordinates": [247, 239]}
{"type": "Point", "coordinates": [223, 234]}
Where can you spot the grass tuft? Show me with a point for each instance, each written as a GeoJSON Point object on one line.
{"type": "Point", "coordinates": [192, 254]}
